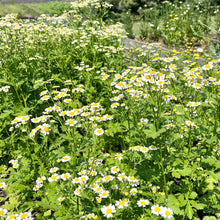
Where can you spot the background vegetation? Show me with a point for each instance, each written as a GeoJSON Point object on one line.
{"type": "Point", "coordinates": [34, 9]}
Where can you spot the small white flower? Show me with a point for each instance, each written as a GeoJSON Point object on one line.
{"type": "Point", "coordinates": [2, 185]}
{"type": "Point", "coordinates": [108, 211]}
{"type": "Point", "coordinates": [54, 177]}
{"type": "Point", "coordinates": [61, 199]}
{"type": "Point", "coordinates": [142, 202]}
{"type": "Point", "coordinates": [156, 209]}
{"type": "Point", "coordinates": [65, 159]}
{"type": "Point", "coordinates": [166, 213]}
{"type": "Point", "coordinates": [118, 156]}
{"type": "Point", "coordinates": [133, 191]}
{"type": "Point", "coordinates": [3, 211]}
{"type": "Point", "coordinates": [65, 176]}
{"type": "Point", "coordinates": [54, 169]}
{"type": "Point", "coordinates": [99, 131]}
{"type": "Point", "coordinates": [115, 170]}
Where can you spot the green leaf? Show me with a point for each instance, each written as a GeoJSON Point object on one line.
{"type": "Point", "coordinates": [174, 204]}
{"type": "Point", "coordinates": [176, 174]}
{"type": "Point", "coordinates": [196, 205]}
{"type": "Point", "coordinates": [189, 210]}
{"type": "Point", "coordinates": [193, 195]}
{"type": "Point", "coordinates": [209, 218]}
{"type": "Point", "coordinates": [47, 213]}
{"type": "Point", "coordinates": [186, 171]}
{"type": "Point", "coordinates": [152, 133]}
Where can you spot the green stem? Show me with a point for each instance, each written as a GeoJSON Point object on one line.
{"type": "Point", "coordinates": [164, 177]}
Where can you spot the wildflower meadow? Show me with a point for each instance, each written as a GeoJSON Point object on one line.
{"type": "Point", "coordinates": [92, 129]}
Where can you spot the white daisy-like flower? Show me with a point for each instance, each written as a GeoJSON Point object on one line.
{"type": "Point", "coordinates": [2, 185]}
{"type": "Point", "coordinates": [45, 98]}
{"type": "Point", "coordinates": [54, 169]}
{"type": "Point", "coordinates": [40, 179]}
{"type": "Point", "coordinates": [197, 85]}
{"type": "Point", "coordinates": [66, 159]}
{"type": "Point", "coordinates": [93, 173]}
{"type": "Point", "coordinates": [133, 192]}
{"type": "Point", "coordinates": [84, 179]}
{"type": "Point", "coordinates": [16, 165]}
{"type": "Point", "coordinates": [106, 155]}
{"type": "Point", "coordinates": [152, 147]}
{"type": "Point", "coordinates": [190, 124]}
{"type": "Point", "coordinates": [115, 170]}
{"type": "Point", "coordinates": [67, 100]}
{"type": "Point", "coordinates": [76, 180]}
{"type": "Point", "coordinates": [70, 122]}
{"type": "Point", "coordinates": [208, 66]}
{"type": "Point", "coordinates": [108, 178]}
{"type": "Point", "coordinates": [45, 129]}
{"type": "Point", "coordinates": [114, 187]}
{"type": "Point", "coordinates": [115, 105]}
{"type": "Point", "coordinates": [54, 177]}
{"type": "Point", "coordinates": [156, 209]}
{"type": "Point", "coordinates": [78, 191]}
{"type": "Point", "coordinates": [12, 217]}
{"type": "Point", "coordinates": [99, 131]}
{"type": "Point", "coordinates": [43, 92]}
{"type": "Point", "coordinates": [65, 176]}
{"type": "Point", "coordinates": [142, 202]}
{"type": "Point", "coordinates": [37, 187]}
{"type": "Point", "coordinates": [24, 215]}
{"type": "Point", "coordinates": [122, 203]}
{"type": "Point", "coordinates": [108, 211]}
{"type": "Point", "coordinates": [144, 149]}
{"type": "Point", "coordinates": [166, 213]}
{"type": "Point", "coordinates": [118, 156]}
{"type": "Point", "coordinates": [3, 211]}
{"type": "Point", "coordinates": [122, 177]}
{"type": "Point", "coordinates": [104, 194]}
{"type": "Point", "coordinates": [61, 199]}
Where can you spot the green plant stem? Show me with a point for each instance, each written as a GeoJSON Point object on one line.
{"type": "Point", "coordinates": [163, 172]}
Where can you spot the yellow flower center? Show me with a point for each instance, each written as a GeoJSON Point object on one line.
{"type": "Point", "coordinates": [1, 212]}
{"type": "Point", "coordinates": [46, 129]}
{"type": "Point", "coordinates": [24, 216]}
{"type": "Point", "coordinates": [108, 211]}
{"type": "Point", "coordinates": [120, 84]}
{"type": "Point", "coordinates": [157, 209]}
{"type": "Point", "coordinates": [107, 178]}
{"type": "Point", "coordinates": [167, 213]}
{"type": "Point", "coordinates": [122, 203]}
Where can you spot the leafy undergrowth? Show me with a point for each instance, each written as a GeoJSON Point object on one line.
{"type": "Point", "coordinates": [33, 10]}
{"type": "Point", "coordinates": [87, 133]}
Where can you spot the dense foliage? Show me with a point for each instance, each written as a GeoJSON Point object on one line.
{"type": "Point", "coordinates": [173, 23]}
{"type": "Point", "coordinates": [91, 129]}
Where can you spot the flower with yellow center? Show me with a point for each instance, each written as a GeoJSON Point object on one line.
{"type": "Point", "coordinates": [142, 202]}
{"type": "Point", "coordinates": [99, 131]}
{"type": "Point", "coordinates": [166, 213]}
{"type": "Point", "coordinates": [156, 209]}
{"type": "Point", "coordinates": [108, 211]}
{"type": "Point", "coordinates": [3, 211]}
